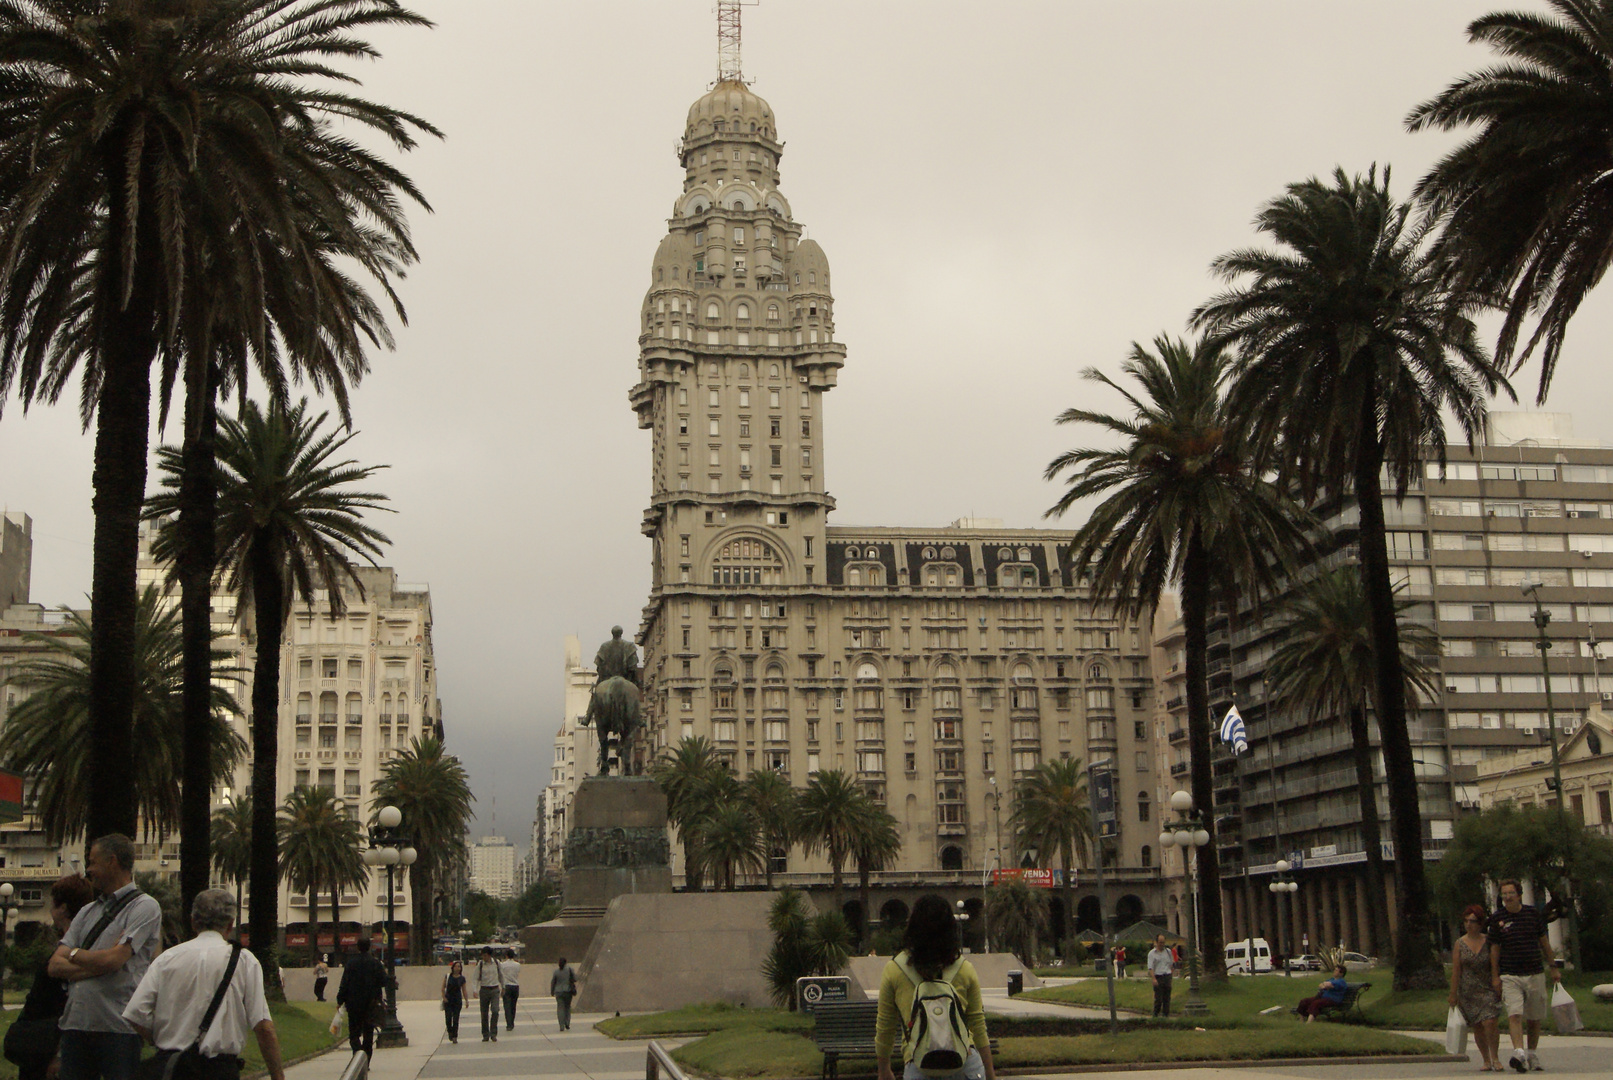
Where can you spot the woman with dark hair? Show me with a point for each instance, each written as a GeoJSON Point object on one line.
{"type": "Point", "coordinates": [930, 959]}
{"type": "Point", "coordinates": [31, 1043]}
{"type": "Point", "coordinates": [1472, 989]}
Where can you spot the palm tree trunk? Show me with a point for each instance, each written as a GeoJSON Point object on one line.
{"type": "Point", "coordinates": [1067, 856]}
{"type": "Point", "coordinates": [767, 860]}
{"type": "Point", "coordinates": [269, 604]}
{"type": "Point", "coordinates": [313, 922]}
{"type": "Point", "coordinates": [127, 345]}
{"type": "Point", "coordinates": [335, 917]}
{"type": "Point", "coordinates": [198, 502]}
{"type": "Point", "coordinates": [837, 862]}
{"type": "Point", "coordinates": [1416, 965]}
{"type": "Point", "coordinates": [867, 899]}
{"type": "Point", "coordinates": [1195, 624]}
{"type": "Point", "coordinates": [1371, 834]}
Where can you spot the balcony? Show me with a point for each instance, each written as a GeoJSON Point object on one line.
{"type": "Point", "coordinates": [1178, 736]}
{"type": "Point", "coordinates": [1179, 769]}
{"type": "Point", "coordinates": [302, 755]}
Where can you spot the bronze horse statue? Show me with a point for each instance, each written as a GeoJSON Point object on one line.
{"type": "Point", "coordinates": [614, 711]}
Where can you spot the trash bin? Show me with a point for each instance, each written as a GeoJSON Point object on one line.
{"type": "Point", "coordinates": [1016, 982]}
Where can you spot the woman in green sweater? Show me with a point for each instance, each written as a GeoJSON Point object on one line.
{"type": "Point", "coordinates": [930, 952]}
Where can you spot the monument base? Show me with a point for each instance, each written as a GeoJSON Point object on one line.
{"type": "Point", "coordinates": [655, 952]}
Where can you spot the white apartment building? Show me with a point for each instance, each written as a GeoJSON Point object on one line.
{"type": "Point", "coordinates": [492, 867]}
{"type": "Point", "coordinates": [576, 756]}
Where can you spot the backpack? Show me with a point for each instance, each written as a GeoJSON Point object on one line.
{"type": "Point", "coordinates": [936, 1038]}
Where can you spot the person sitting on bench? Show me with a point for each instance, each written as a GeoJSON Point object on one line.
{"type": "Point", "coordinates": [1333, 993]}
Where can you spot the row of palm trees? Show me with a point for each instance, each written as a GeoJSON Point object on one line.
{"type": "Point", "coordinates": [187, 201]}
{"type": "Point", "coordinates": [731, 828]}
{"type": "Point", "coordinates": [1325, 371]}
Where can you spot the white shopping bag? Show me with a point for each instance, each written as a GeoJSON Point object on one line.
{"type": "Point", "coordinates": [336, 1020]}
{"type": "Point", "coordinates": [1564, 1012]}
{"type": "Point", "coordinates": [1455, 1032]}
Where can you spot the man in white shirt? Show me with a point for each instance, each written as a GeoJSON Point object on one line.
{"type": "Point", "coordinates": [510, 969]}
{"type": "Point", "coordinates": [171, 1002]}
{"type": "Point", "coordinates": [487, 980]}
{"type": "Point", "coordinates": [1161, 966]}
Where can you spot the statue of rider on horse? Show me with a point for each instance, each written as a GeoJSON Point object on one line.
{"type": "Point", "coordinates": [613, 709]}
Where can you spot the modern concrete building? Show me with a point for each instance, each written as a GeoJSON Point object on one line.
{"type": "Point", "coordinates": [492, 867]}
{"type": "Point", "coordinates": [1527, 506]}
{"type": "Point", "coordinates": [16, 557]}
{"type": "Point", "coordinates": [936, 665]}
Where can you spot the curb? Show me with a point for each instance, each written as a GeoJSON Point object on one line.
{"type": "Point", "coordinates": [1212, 1063]}
{"type": "Point", "coordinates": [259, 1074]}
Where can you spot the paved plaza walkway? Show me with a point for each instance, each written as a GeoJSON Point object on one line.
{"type": "Point", "coordinates": [536, 1051]}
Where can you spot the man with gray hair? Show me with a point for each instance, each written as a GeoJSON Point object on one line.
{"type": "Point", "coordinates": [208, 993]}
{"type": "Point", "coordinates": [101, 958]}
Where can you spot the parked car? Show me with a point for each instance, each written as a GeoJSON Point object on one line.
{"type": "Point", "coordinates": [1305, 962]}
{"type": "Point", "coordinates": [1354, 961]}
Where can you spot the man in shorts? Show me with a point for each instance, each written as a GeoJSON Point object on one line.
{"type": "Point", "coordinates": [1518, 966]}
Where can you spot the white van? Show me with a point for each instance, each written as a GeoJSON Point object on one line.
{"type": "Point", "coordinates": [1238, 956]}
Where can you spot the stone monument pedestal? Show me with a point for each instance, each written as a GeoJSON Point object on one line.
{"type": "Point", "coordinates": [617, 847]}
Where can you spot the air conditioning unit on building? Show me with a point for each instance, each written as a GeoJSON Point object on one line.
{"type": "Point", "coordinates": [1607, 695]}
{"type": "Point", "coordinates": [1528, 731]}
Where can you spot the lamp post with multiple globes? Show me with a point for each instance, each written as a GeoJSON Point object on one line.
{"type": "Point", "coordinates": [389, 847]}
{"type": "Point", "coordinates": [8, 914]}
{"type": "Point", "coordinates": [1279, 888]}
{"type": "Point", "coordinates": [1189, 834]}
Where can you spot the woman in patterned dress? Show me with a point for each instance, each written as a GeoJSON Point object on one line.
{"type": "Point", "coordinates": [1472, 990]}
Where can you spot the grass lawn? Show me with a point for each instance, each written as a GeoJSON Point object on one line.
{"type": "Point", "coordinates": [703, 1020]}
{"type": "Point", "coordinates": [1246, 996]}
{"type": "Point", "coordinates": [748, 1051]}
{"type": "Point", "coordinates": [304, 1029]}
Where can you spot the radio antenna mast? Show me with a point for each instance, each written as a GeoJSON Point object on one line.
{"type": "Point", "coordinates": [728, 66]}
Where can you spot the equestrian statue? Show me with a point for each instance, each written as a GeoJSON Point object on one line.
{"type": "Point", "coordinates": [613, 709]}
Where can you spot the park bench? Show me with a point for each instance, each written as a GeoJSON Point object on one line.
{"type": "Point", "coordinates": [846, 1029]}
{"type": "Point", "coordinates": [1348, 1010]}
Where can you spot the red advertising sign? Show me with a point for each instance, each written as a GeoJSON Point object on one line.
{"type": "Point", "coordinates": [1036, 879]}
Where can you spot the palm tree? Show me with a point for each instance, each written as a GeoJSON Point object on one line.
{"type": "Point", "coordinates": [686, 771]}
{"type": "Point", "coordinates": [1052, 811]}
{"type": "Point", "coordinates": [1353, 347]}
{"type": "Point", "coordinates": [1324, 665]}
{"type": "Point", "coordinates": [1182, 500]}
{"type": "Point", "coordinates": [432, 789]}
{"type": "Point", "coordinates": [731, 843]}
{"type": "Point", "coordinates": [1524, 201]}
{"type": "Point", "coordinates": [288, 519]}
{"type": "Point", "coordinates": [772, 802]}
{"type": "Point", "coordinates": [1017, 916]}
{"type": "Point", "coordinates": [831, 812]}
{"type": "Point", "coordinates": [118, 114]}
{"type": "Point", "coordinates": [319, 845]}
{"type": "Point", "coordinates": [50, 734]}
{"type": "Point", "coordinates": [232, 841]}
{"type": "Point", "coordinates": [875, 847]}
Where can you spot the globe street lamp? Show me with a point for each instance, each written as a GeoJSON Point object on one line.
{"type": "Point", "coordinates": [1278, 888]}
{"type": "Point", "coordinates": [389, 847]}
{"type": "Point", "coordinates": [1189, 834]}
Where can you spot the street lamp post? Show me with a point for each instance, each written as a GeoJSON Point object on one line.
{"type": "Point", "coordinates": [1189, 835]}
{"type": "Point", "coordinates": [1281, 886]}
{"type": "Point", "coordinates": [389, 847]}
{"type": "Point", "coordinates": [1542, 619]}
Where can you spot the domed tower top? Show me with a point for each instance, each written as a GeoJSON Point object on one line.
{"type": "Point", "coordinates": [730, 108]}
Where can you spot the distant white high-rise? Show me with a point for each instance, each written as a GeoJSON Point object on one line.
{"type": "Point", "coordinates": [492, 867]}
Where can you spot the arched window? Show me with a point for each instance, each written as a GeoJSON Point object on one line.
{"type": "Point", "coordinates": [952, 857]}
{"type": "Point", "coordinates": [742, 312]}
{"type": "Point", "coordinates": [772, 371]}
{"type": "Point", "coordinates": [747, 562]}
{"type": "Point", "coordinates": [945, 671]}
{"type": "Point", "coordinates": [775, 672]}
{"type": "Point", "coordinates": [854, 576]}
{"type": "Point", "coordinates": [1148, 856]}
{"type": "Point", "coordinates": [772, 313]}
{"type": "Point", "coordinates": [1095, 673]}
{"type": "Point", "coordinates": [812, 277]}
{"type": "Point", "coordinates": [712, 311]}
{"type": "Point", "coordinates": [867, 671]}
{"type": "Point", "coordinates": [1023, 674]}
{"type": "Point", "coordinates": [744, 371]}
{"type": "Point", "coordinates": [675, 273]}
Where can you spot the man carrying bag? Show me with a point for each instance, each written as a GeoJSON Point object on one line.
{"type": "Point", "coordinates": [197, 1018]}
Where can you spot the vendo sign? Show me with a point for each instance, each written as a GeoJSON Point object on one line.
{"type": "Point", "coordinates": [1036, 879]}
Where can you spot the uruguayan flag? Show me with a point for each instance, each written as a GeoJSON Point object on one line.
{"type": "Point", "coordinates": [1232, 732]}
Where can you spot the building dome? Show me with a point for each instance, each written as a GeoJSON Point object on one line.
{"type": "Point", "coordinates": [813, 266]}
{"type": "Point", "coordinates": [734, 104]}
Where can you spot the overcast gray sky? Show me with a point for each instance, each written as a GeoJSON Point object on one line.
{"type": "Point", "coordinates": [1007, 193]}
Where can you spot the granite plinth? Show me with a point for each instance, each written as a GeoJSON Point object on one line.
{"type": "Point", "coordinates": [656, 952]}
{"type": "Point", "coordinates": [617, 847]}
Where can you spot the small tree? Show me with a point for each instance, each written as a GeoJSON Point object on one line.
{"type": "Point", "coordinates": [804, 944]}
{"type": "Point", "coordinates": [1017, 915]}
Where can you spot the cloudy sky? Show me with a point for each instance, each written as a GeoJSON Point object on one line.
{"type": "Point", "coordinates": [1007, 192]}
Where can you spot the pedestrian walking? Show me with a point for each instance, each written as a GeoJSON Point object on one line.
{"type": "Point", "coordinates": [31, 1040]}
{"type": "Point", "coordinates": [489, 981]}
{"type": "Point", "coordinates": [563, 985]}
{"type": "Point", "coordinates": [205, 995]}
{"type": "Point", "coordinates": [321, 977]}
{"type": "Point", "coordinates": [1161, 966]}
{"type": "Point", "coordinates": [361, 991]}
{"type": "Point", "coordinates": [1120, 961]}
{"type": "Point", "coordinates": [107, 949]}
{"type": "Point", "coordinates": [454, 998]}
{"type": "Point", "coordinates": [1471, 990]}
{"type": "Point", "coordinates": [510, 969]}
{"type": "Point", "coordinates": [931, 994]}
{"type": "Point", "coordinates": [1519, 961]}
